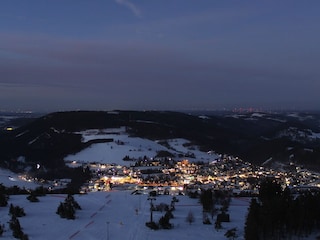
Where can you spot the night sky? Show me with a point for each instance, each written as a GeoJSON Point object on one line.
{"type": "Point", "coordinates": [159, 54]}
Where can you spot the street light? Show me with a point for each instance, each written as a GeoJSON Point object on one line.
{"type": "Point", "coordinates": [108, 230]}
{"type": "Point", "coordinates": [151, 207]}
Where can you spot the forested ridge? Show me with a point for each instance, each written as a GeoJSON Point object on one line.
{"type": "Point", "coordinates": [278, 214]}
{"type": "Point", "coordinates": [48, 139]}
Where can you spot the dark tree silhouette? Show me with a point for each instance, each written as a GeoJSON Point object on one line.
{"type": "Point", "coordinates": [231, 233]}
{"type": "Point", "coordinates": [16, 211]}
{"type": "Point", "coordinates": [251, 229]}
{"type": "Point", "coordinates": [3, 200]}
{"type": "Point", "coordinates": [206, 200]}
{"type": "Point", "coordinates": [33, 197]}
{"type": "Point", "coordinates": [68, 208]}
{"type": "Point", "coordinates": [1, 229]}
{"type": "Point", "coordinates": [279, 215]}
{"type": "Point", "coordinates": [164, 221]}
{"type": "Point", "coordinates": [16, 229]}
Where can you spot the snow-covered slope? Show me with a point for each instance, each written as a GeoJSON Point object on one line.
{"type": "Point", "coordinates": [113, 215]}
{"type": "Point", "coordinates": [123, 145]}
{"type": "Point", "coordinates": [10, 179]}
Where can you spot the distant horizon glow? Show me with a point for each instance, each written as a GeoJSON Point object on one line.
{"type": "Point", "coordinates": [137, 55]}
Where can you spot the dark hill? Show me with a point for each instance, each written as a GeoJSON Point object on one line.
{"type": "Point", "coordinates": [48, 139]}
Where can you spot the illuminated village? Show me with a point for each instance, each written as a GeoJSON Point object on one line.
{"type": "Point", "coordinates": [167, 175]}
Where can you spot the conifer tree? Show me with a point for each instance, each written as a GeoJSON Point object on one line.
{"type": "Point", "coordinates": [68, 208]}
{"type": "Point", "coordinates": [32, 197]}
{"type": "Point", "coordinates": [3, 200]}
{"type": "Point", "coordinates": [251, 229]}
{"type": "Point", "coordinates": [1, 229]}
{"type": "Point", "coordinates": [16, 211]}
{"type": "Point", "coordinates": [15, 227]}
{"type": "Point", "coordinates": [206, 199]}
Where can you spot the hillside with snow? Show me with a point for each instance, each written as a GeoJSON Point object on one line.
{"type": "Point", "coordinates": [49, 144]}
{"type": "Point", "coordinates": [96, 136]}
{"type": "Point", "coordinates": [117, 215]}
{"type": "Point", "coordinates": [121, 144]}
{"type": "Point", "coordinates": [120, 215]}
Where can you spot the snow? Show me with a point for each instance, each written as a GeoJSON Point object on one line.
{"type": "Point", "coordinates": [267, 161]}
{"type": "Point", "coordinates": [134, 147]}
{"type": "Point", "coordinates": [20, 134]}
{"type": "Point", "coordinates": [237, 116]}
{"type": "Point", "coordinates": [301, 118]}
{"type": "Point", "coordinates": [33, 141]}
{"type": "Point", "coordinates": [277, 119]}
{"type": "Point", "coordinates": [179, 145]}
{"type": "Point", "coordinates": [92, 134]}
{"type": "Point", "coordinates": [118, 208]}
{"type": "Point", "coordinates": [257, 115]}
{"type": "Point", "coordinates": [315, 135]}
{"type": "Point", "coordinates": [114, 152]}
{"type": "Point", "coordinates": [116, 215]}
{"type": "Point", "coordinates": [204, 117]}
{"type": "Point", "coordinates": [299, 135]}
{"type": "Point", "coordinates": [10, 179]}
{"type": "Point", "coordinates": [113, 214]}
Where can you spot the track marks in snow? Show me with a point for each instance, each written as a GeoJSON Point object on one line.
{"type": "Point", "coordinates": [93, 215]}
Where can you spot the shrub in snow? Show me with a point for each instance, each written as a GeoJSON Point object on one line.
{"type": "Point", "coordinates": [206, 219]}
{"type": "Point", "coordinates": [16, 229]}
{"type": "Point", "coordinates": [40, 191]}
{"type": "Point", "coordinates": [68, 208]}
{"type": "Point", "coordinates": [74, 203]}
{"type": "Point", "coordinates": [16, 211]}
{"type": "Point", "coordinates": [65, 210]}
{"type": "Point", "coordinates": [3, 196]}
{"type": "Point", "coordinates": [217, 225]}
{"type": "Point", "coordinates": [32, 198]}
{"type": "Point", "coordinates": [164, 222]}
{"type": "Point", "coordinates": [152, 225]}
{"type": "Point", "coordinates": [223, 217]}
{"type": "Point", "coordinates": [3, 200]}
{"type": "Point", "coordinates": [231, 233]}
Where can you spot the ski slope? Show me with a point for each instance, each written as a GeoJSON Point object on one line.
{"type": "Point", "coordinates": [113, 215]}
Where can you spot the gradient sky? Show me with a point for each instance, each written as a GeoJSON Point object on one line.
{"type": "Point", "coordinates": [159, 54]}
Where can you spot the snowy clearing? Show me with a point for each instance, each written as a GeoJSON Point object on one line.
{"type": "Point", "coordinates": [134, 147]}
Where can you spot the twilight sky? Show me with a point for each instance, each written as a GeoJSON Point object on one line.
{"type": "Point", "coordinates": [159, 54]}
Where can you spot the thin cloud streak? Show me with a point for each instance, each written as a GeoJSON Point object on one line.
{"type": "Point", "coordinates": [135, 10]}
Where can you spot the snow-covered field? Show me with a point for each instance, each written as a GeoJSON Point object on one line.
{"type": "Point", "coordinates": [118, 214]}
{"type": "Point", "coordinates": [10, 179]}
{"type": "Point", "coordinates": [112, 215]}
{"type": "Point", "coordinates": [134, 147]}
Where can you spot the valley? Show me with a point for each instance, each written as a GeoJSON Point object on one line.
{"type": "Point", "coordinates": [136, 156]}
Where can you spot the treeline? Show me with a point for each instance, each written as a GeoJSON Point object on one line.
{"type": "Point", "coordinates": [277, 214]}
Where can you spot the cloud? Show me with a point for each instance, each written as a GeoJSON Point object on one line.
{"type": "Point", "coordinates": [136, 11]}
